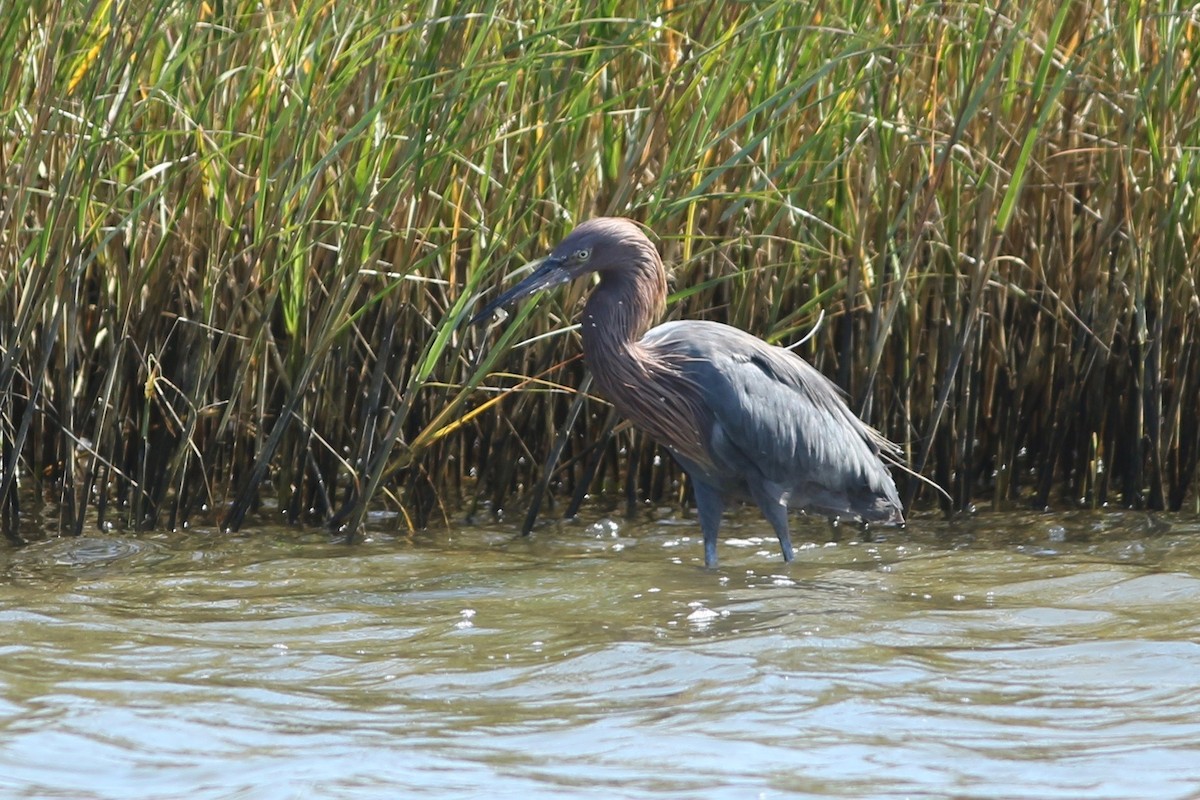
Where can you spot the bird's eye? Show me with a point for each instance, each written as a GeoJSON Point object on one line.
{"type": "Point", "coordinates": [583, 255]}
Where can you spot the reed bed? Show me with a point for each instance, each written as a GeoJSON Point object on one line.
{"type": "Point", "coordinates": [238, 242]}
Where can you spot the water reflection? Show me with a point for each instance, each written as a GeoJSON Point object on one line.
{"type": "Point", "coordinates": [999, 655]}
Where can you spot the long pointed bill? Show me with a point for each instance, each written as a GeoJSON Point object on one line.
{"type": "Point", "coordinates": [551, 272]}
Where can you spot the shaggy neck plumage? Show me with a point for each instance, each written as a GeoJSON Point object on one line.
{"type": "Point", "coordinates": [626, 304]}
{"type": "Point", "coordinates": [642, 384]}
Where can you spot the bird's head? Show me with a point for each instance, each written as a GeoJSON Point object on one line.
{"type": "Point", "coordinates": [603, 244]}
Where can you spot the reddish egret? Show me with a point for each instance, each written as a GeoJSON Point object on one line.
{"type": "Point", "coordinates": [742, 417]}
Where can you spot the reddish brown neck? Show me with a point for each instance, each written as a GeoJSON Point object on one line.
{"type": "Point", "coordinates": [643, 383]}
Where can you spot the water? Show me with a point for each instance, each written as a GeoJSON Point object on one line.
{"type": "Point", "coordinates": [1003, 655]}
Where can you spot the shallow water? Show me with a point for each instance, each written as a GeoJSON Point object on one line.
{"type": "Point", "coordinates": [1000, 655]}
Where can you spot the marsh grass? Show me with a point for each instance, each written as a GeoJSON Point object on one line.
{"type": "Point", "coordinates": [238, 242]}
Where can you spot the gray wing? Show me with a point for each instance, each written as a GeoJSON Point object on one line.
{"type": "Point", "coordinates": [778, 424]}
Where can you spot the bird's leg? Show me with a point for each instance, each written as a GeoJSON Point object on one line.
{"type": "Point", "coordinates": [776, 511]}
{"type": "Point", "coordinates": [709, 505]}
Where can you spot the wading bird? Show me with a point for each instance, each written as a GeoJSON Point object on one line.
{"type": "Point", "coordinates": [742, 417]}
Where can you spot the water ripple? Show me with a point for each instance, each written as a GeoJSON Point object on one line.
{"type": "Point", "coordinates": [1016, 655]}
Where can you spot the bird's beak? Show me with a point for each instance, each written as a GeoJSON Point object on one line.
{"type": "Point", "coordinates": [550, 272]}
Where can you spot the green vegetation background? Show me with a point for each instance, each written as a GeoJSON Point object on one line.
{"type": "Point", "coordinates": [238, 241]}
